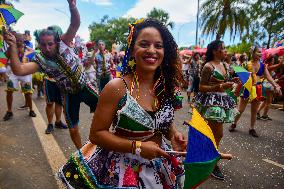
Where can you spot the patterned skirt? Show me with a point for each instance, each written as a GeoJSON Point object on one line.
{"type": "Point", "coordinates": [96, 167]}
{"type": "Point", "coordinates": [216, 106]}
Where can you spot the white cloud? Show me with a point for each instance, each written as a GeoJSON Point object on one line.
{"type": "Point", "coordinates": [39, 15]}
{"type": "Point", "coordinates": [99, 2]}
{"type": "Point", "coordinates": [180, 11]}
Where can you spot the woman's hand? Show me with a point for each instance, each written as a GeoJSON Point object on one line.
{"type": "Point", "coordinates": [9, 37]}
{"type": "Point", "coordinates": [236, 80]}
{"type": "Point", "coordinates": [179, 143]}
{"type": "Point", "coordinates": [151, 150]}
{"type": "Point", "coordinates": [227, 85]}
{"type": "Point", "coordinates": [277, 89]}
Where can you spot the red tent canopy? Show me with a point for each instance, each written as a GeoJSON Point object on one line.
{"type": "Point", "coordinates": [200, 51]}
{"type": "Point", "coordinates": [186, 52]}
{"type": "Point", "coordinates": [274, 51]}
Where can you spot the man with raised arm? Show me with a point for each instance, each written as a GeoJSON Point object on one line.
{"type": "Point", "coordinates": [60, 62]}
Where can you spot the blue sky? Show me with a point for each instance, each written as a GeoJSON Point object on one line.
{"type": "Point", "coordinates": [42, 13]}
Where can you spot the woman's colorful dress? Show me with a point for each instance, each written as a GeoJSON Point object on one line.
{"type": "Point", "coordinates": [217, 106]}
{"type": "Point", "coordinates": [257, 81]}
{"type": "Point", "coordinates": [110, 169]}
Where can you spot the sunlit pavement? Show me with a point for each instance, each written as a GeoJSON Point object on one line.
{"type": "Point", "coordinates": [29, 158]}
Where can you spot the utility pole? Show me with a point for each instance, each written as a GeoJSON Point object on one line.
{"type": "Point", "coordinates": [197, 23]}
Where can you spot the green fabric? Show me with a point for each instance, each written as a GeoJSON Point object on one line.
{"type": "Point", "coordinates": [231, 94]}
{"type": "Point", "coordinates": [239, 69]}
{"type": "Point", "coordinates": [218, 75]}
{"type": "Point", "coordinates": [196, 173]}
{"type": "Point", "coordinates": [130, 124]}
{"type": "Point", "coordinates": [216, 113]}
{"type": "Point", "coordinates": [2, 55]}
{"type": "Point", "coordinates": [17, 14]}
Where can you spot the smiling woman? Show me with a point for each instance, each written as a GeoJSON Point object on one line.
{"type": "Point", "coordinates": [140, 108]}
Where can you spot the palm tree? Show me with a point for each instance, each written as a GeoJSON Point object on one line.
{"type": "Point", "coordinates": [221, 15]}
{"type": "Point", "coordinates": [162, 16]}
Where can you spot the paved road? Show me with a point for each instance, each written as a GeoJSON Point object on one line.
{"type": "Point", "coordinates": [29, 158]}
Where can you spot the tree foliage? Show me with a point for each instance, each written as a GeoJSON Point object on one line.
{"type": "Point", "coordinates": [162, 16]}
{"type": "Point", "coordinates": [267, 21]}
{"type": "Point", "coordinates": [221, 15]}
{"type": "Point", "coordinates": [115, 30]}
{"type": "Point", "coordinates": [242, 47]}
{"type": "Point", "coordinates": [110, 30]}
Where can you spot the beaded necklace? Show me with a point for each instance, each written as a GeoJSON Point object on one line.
{"type": "Point", "coordinates": [136, 85]}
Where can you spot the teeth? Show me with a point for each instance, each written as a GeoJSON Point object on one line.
{"type": "Point", "coordinates": [150, 59]}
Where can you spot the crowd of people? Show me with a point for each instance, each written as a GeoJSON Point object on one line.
{"type": "Point", "coordinates": [134, 98]}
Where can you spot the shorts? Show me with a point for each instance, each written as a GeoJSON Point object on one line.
{"type": "Point", "coordinates": [25, 82]}
{"type": "Point", "coordinates": [52, 92]}
{"type": "Point", "coordinates": [72, 104]}
{"type": "Point", "coordinates": [193, 84]}
{"type": "Point", "coordinates": [103, 80]}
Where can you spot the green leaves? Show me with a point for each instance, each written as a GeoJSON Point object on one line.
{"type": "Point", "coordinates": [251, 20]}
{"type": "Point", "coordinates": [115, 30]}
{"type": "Point", "coordinates": [110, 30]}
{"type": "Point", "coordinates": [220, 16]}
{"type": "Point", "coordinates": [162, 16]}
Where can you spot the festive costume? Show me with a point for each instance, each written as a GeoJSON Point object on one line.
{"type": "Point", "coordinates": [193, 76]}
{"type": "Point", "coordinates": [217, 106]}
{"type": "Point", "coordinates": [65, 69]}
{"type": "Point", "coordinates": [257, 85]}
{"type": "Point", "coordinates": [109, 169]}
{"type": "Point", "coordinates": [103, 69]}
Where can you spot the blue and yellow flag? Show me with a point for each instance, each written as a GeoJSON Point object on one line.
{"type": "Point", "coordinates": [202, 152]}
{"type": "Point", "coordinates": [246, 79]}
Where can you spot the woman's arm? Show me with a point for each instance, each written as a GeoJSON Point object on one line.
{"type": "Point", "coordinates": [274, 67]}
{"type": "Point", "coordinates": [103, 117]}
{"type": "Point", "coordinates": [277, 88]}
{"type": "Point", "coordinates": [205, 78]}
{"type": "Point", "coordinates": [269, 78]}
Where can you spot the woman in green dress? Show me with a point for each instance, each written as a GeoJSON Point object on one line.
{"type": "Point", "coordinates": [212, 101]}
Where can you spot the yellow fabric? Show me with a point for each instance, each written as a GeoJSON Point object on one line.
{"type": "Point", "coordinates": [253, 94]}
{"type": "Point", "coordinates": [255, 78]}
{"type": "Point", "coordinates": [248, 84]}
{"type": "Point", "coordinates": [4, 6]}
{"type": "Point", "coordinates": [200, 124]}
{"type": "Point", "coordinates": [38, 76]}
{"type": "Point", "coordinates": [2, 65]}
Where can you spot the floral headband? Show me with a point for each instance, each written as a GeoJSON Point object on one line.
{"type": "Point", "coordinates": [129, 41]}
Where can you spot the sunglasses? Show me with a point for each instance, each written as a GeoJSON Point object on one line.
{"type": "Point", "coordinates": [47, 44]}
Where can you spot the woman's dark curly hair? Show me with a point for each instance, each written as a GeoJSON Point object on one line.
{"type": "Point", "coordinates": [214, 45]}
{"type": "Point", "coordinates": [170, 65]}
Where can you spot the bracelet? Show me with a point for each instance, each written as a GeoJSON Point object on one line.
{"type": "Point", "coordinates": [138, 148]}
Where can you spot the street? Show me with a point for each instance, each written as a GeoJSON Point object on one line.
{"type": "Point", "coordinates": [29, 158]}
